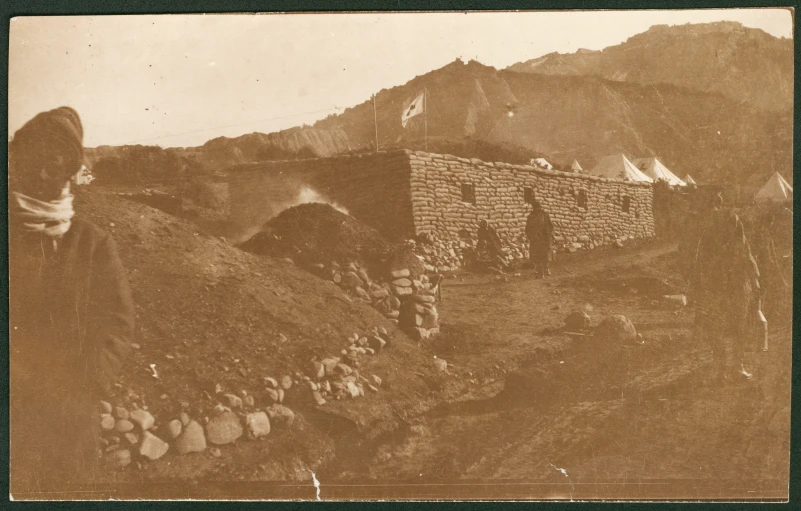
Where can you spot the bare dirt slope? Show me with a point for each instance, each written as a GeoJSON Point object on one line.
{"type": "Point", "coordinates": [211, 314]}
{"type": "Point", "coordinates": [605, 421]}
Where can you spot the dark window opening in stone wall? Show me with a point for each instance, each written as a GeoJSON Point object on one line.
{"type": "Point", "coordinates": [469, 193]}
{"type": "Point", "coordinates": [626, 204]}
{"type": "Point", "coordinates": [581, 199]}
{"type": "Point", "coordinates": [528, 195]}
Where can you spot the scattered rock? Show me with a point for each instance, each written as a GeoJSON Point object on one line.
{"type": "Point", "coordinates": [215, 452]}
{"type": "Point", "coordinates": [184, 418]}
{"type": "Point", "coordinates": [343, 369]}
{"type": "Point", "coordinates": [402, 282]}
{"type": "Point", "coordinates": [105, 407]}
{"type": "Point", "coordinates": [250, 401]}
{"type": "Point", "coordinates": [351, 281]}
{"type": "Point", "coordinates": [422, 298]}
{"type": "Point", "coordinates": [123, 426]}
{"type": "Point", "coordinates": [318, 398]}
{"type": "Point", "coordinates": [118, 459]}
{"type": "Point", "coordinates": [272, 395]}
{"type": "Point", "coordinates": [280, 416]}
{"type": "Point", "coordinates": [617, 328]}
{"type": "Point", "coordinates": [131, 437]}
{"type": "Point", "coordinates": [577, 320]}
{"type": "Point", "coordinates": [376, 380]}
{"type": "Point", "coordinates": [152, 447]}
{"type": "Point", "coordinates": [143, 419]}
{"type": "Point", "coordinates": [224, 428]}
{"type": "Point", "coordinates": [191, 439]}
{"type": "Point", "coordinates": [121, 413]}
{"type": "Point", "coordinates": [318, 369]}
{"type": "Point", "coordinates": [107, 422]}
{"type": "Point", "coordinates": [399, 274]}
{"type": "Point", "coordinates": [352, 389]}
{"type": "Point", "coordinates": [233, 401]}
{"type": "Point", "coordinates": [376, 343]}
{"type": "Point", "coordinates": [329, 364]}
{"type": "Point", "coordinates": [286, 382]}
{"type": "Point", "coordinates": [174, 428]}
{"type": "Point", "coordinates": [440, 364]}
{"type": "Point", "coordinates": [258, 425]}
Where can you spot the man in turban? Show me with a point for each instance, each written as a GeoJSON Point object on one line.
{"type": "Point", "coordinates": [71, 315]}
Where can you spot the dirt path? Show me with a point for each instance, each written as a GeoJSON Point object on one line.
{"type": "Point", "coordinates": [642, 422]}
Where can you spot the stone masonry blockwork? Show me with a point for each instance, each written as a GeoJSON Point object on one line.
{"type": "Point", "coordinates": [403, 194]}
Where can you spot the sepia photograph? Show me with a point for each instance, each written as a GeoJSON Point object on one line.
{"type": "Point", "coordinates": [401, 256]}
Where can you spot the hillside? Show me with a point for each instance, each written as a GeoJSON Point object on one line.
{"type": "Point", "coordinates": [295, 142]}
{"type": "Point", "coordinates": [704, 134]}
{"type": "Point", "coordinates": [210, 314]}
{"type": "Point", "coordinates": [742, 63]}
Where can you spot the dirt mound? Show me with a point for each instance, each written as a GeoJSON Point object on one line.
{"type": "Point", "coordinates": [316, 233]}
{"type": "Point", "coordinates": [213, 319]}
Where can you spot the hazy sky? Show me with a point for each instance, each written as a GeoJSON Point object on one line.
{"type": "Point", "coordinates": [183, 79]}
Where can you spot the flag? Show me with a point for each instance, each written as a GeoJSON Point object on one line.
{"type": "Point", "coordinates": [417, 107]}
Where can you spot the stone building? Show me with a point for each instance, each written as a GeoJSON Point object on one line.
{"type": "Point", "coordinates": [404, 194]}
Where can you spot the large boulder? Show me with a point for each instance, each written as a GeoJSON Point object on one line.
{"type": "Point", "coordinates": [191, 439]}
{"type": "Point", "coordinates": [224, 429]}
{"type": "Point", "coordinates": [617, 328]}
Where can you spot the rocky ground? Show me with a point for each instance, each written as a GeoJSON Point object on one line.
{"type": "Point", "coordinates": [245, 352]}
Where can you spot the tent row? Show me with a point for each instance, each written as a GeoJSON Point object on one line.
{"type": "Point", "coordinates": [650, 170]}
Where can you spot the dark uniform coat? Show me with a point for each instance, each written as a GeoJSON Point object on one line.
{"type": "Point", "coordinates": [71, 322]}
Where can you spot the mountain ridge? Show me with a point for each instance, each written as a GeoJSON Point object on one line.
{"type": "Point", "coordinates": [745, 64]}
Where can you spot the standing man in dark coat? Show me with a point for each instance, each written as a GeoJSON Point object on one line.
{"type": "Point", "coordinates": [725, 288]}
{"type": "Point", "coordinates": [71, 316]}
{"type": "Point", "coordinates": [539, 230]}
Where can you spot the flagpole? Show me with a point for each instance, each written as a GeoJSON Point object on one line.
{"type": "Point", "coordinates": [425, 111]}
{"type": "Point", "coordinates": [375, 123]}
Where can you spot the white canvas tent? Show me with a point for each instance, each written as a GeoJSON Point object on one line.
{"type": "Point", "coordinates": [542, 163]}
{"type": "Point", "coordinates": [689, 181]}
{"type": "Point", "coordinates": [617, 166]}
{"type": "Point", "coordinates": [575, 167]}
{"type": "Point", "coordinates": [777, 189]}
{"type": "Point", "coordinates": [654, 169]}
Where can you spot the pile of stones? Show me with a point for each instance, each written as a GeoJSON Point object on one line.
{"type": "Point", "coordinates": [138, 435]}
{"type": "Point", "coordinates": [129, 432]}
{"type": "Point", "coordinates": [339, 377]}
{"type": "Point", "coordinates": [440, 255]}
{"type": "Point", "coordinates": [419, 317]}
{"type": "Point", "coordinates": [387, 296]}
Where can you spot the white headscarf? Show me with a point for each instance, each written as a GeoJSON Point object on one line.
{"type": "Point", "coordinates": [52, 218]}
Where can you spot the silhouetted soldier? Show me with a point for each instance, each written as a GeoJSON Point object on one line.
{"type": "Point", "coordinates": [539, 230]}
{"type": "Point", "coordinates": [725, 289]}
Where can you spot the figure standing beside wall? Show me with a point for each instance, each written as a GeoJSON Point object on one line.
{"type": "Point", "coordinates": [539, 230]}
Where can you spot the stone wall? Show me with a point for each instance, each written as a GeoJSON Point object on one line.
{"type": "Point", "coordinates": [404, 194]}
{"type": "Point", "coordinates": [438, 203]}
{"type": "Point", "coordinates": [372, 187]}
